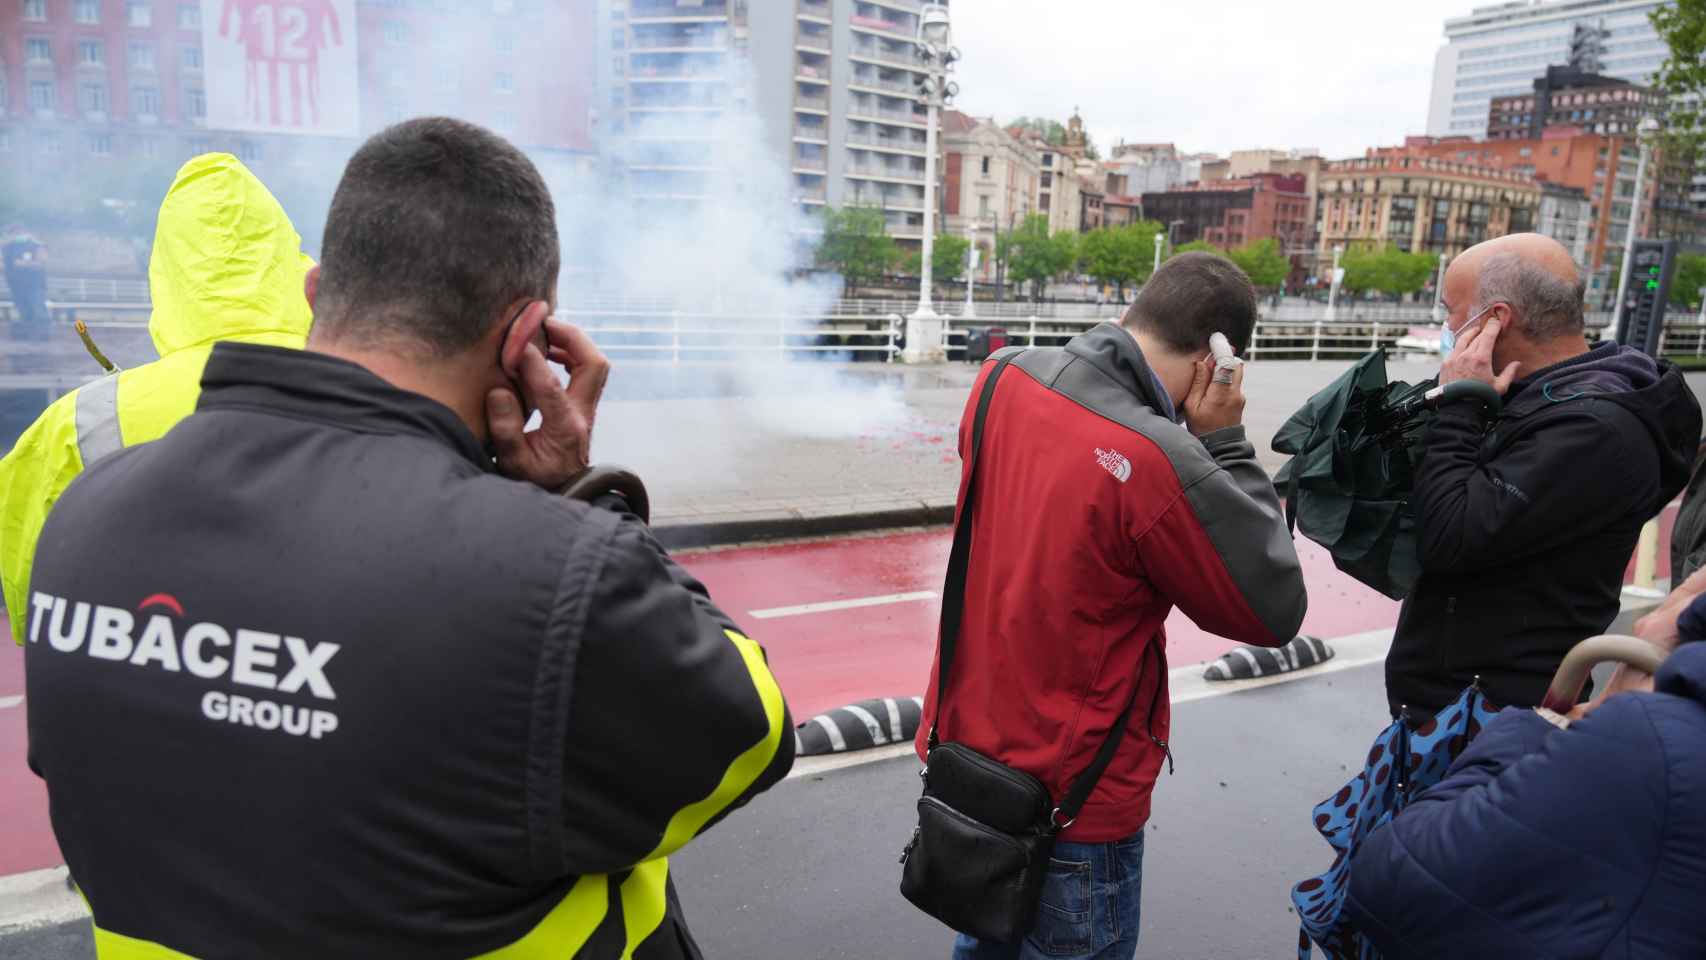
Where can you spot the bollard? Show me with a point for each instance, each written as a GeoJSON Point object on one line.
{"type": "Point", "coordinates": [1646, 561]}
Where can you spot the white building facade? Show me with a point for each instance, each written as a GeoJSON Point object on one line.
{"type": "Point", "coordinates": [1499, 50]}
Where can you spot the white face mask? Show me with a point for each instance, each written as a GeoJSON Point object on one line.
{"type": "Point", "coordinates": [1448, 336]}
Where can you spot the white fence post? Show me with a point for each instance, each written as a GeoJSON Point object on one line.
{"type": "Point", "coordinates": [1375, 345]}
{"type": "Point", "coordinates": [1031, 338]}
{"type": "Point", "coordinates": [1315, 349]}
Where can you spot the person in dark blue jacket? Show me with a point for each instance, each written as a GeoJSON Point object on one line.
{"type": "Point", "coordinates": [1585, 841]}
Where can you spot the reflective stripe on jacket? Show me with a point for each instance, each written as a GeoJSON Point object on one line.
{"type": "Point", "coordinates": [227, 265]}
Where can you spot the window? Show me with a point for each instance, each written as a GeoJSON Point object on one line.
{"type": "Point", "coordinates": [92, 97]}
{"type": "Point", "coordinates": [41, 96]}
{"type": "Point", "coordinates": [986, 166]}
{"type": "Point", "coordinates": [1048, 179]}
{"type": "Point", "coordinates": [50, 144]}
{"type": "Point", "coordinates": [38, 50]}
{"type": "Point", "coordinates": [86, 11]}
{"type": "Point", "coordinates": [983, 204]}
{"type": "Point", "coordinates": [90, 53]}
{"type": "Point", "coordinates": [145, 101]}
{"type": "Point", "coordinates": [618, 39]}
{"type": "Point", "coordinates": [1042, 202]}
{"type": "Point", "coordinates": [619, 65]}
{"type": "Point", "coordinates": [1525, 152]}
{"type": "Point", "coordinates": [35, 10]}
{"type": "Point", "coordinates": [396, 32]}
{"type": "Point", "coordinates": [192, 58]}
{"type": "Point", "coordinates": [189, 16]}
{"type": "Point", "coordinates": [504, 82]}
{"type": "Point", "coordinates": [141, 14]}
{"type": "Point", "coordinates": [250, 151]}
{"type": "Point", "coordinates": [5, 141]}
{"type": "Point", "coordinates": [101, 145]}
{"type": "Point", "coordinates": [199, 146]}
{"type": "Point", "coordinates": [195, 103]}
{"type": "Point", "coordinates": [506, 43]}
{"type": "Point", "coordinates": [140, 56]}
{"type": "Point", "coordinates": [148, 147]}
{"type": "Point", "coordinates": [1048, 159]}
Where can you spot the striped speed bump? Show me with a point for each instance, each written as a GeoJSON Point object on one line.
{"type": "Point", "coordinates": [1243, 663]}
{"type": "Point", "coordinates": [858, 726]}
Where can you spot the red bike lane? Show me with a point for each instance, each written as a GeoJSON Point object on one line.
{"type": "Point", "coordinates": [842, 620]}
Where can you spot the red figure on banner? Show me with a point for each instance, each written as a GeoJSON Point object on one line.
{"type": "Point", "coordinates": [282, 40]}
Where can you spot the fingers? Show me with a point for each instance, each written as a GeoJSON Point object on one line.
{"type": "Point", "coordinates": [1199, 384]}
{"type": "Point", "coordinates": [504, 419]}
{"type": "Point", "coordinates": [1484, 339]}
{"type": "Point", "coordinates": [1503, 381]}
{"type": "Point", "coordinates": [588, 367]}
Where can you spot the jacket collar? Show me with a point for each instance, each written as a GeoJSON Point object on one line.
{"type": "Point", "coordinates": [1110, 349]}
{"type": "Point", "coordinates": [315, 386]}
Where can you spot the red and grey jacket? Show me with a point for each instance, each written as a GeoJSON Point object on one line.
{"type": "Point", "coordinates": [1096, 515]}
{"type": "Point", "coordinates": [307, 679]}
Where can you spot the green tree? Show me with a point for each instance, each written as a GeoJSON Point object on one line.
{"type": "Point", "coordinates": [1052, 131]}
{"type": "Point", "coordinates": [1196, 246]}
{"type": "Point", "coordinates": [1690, 276]}
{"type": "Point", "coordinates": [1263, 262]}
{"type": "Point", "coordinates": [947, 258]}
{"type": "Point", "coordinates": [1682, 26]}
{"type": "Point", "coordinates": [1035, 256]}
{"type": "Point", "coordinates": [856, 245]}
{"type": "Point", "coordinates": [1386, 269]}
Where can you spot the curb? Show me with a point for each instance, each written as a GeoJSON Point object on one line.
{"type": "Point", "coordinates": [796, 525]}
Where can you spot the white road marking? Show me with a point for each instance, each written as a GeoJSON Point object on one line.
{"type": "Point", "coordinates": [1185, 684]}
{"type": "Point", "coordinates": [9, 702]}
{"type": "Point", "coordinates": [830, 605]}
{"type": "Point", "coordinates": [894, 716]}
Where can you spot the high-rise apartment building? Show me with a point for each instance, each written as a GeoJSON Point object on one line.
{"type": "Point", "coordinates": [816, 97]}
{"type": "Point", "coordinates": [1499, 50]}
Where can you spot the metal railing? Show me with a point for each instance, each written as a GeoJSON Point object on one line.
{"type": "Point", "coordinates": [806, 102]}
{"type": "Point", "coordinates": [812, 132]}
{"type": "Point", "coordinates": [898, 86]}
{"type": "Point", "coordinates": [809, 41]}
{"type": "Point", "coordinates": [905, 56]}
{"type": "Point", "coordinates": [880, 115]}
{"type": "Point", "coordinates": [896, 172]}
{"type": "Point", "coordinates": [696, 42]}
{"type": "Point", "coordinates": [91, 289]}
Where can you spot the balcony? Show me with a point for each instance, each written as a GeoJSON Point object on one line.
{"type": "Point", "coordinates": [811, 164]}
{"type": "Point", "coordinates": [883, 115]}
{"type": "Point", "coordinates": [904, 6]}
{"type": "Point", "coordinates": [811, 194]}
{"type": "Point", "coordinates": [899, 28]}
{"type": "Point", "coordinates": [891, 144]}
{"type": "Point", "coordinates": [815, 133]}
{"type": "Point", "coordinates": [906, 56]}
{"type": "Point", "coordinates": [807, 73]}
{"type": "Point", "coordinates": [816, 9]}
{"type": "Point", "coordinates": [676, 71]}
{"type": "Point", "coordinates": [811, 103]}
{"type": "Point", "coordinates": [884, 171]}
{"type": "Point", "coordinates": [680, 42]}
{"type": "Point", "coordinates": [815, 41]}
{"type": "Point", "coordinates": [902, 87]}
{"type": "Point", "coordinates": [678, 11]}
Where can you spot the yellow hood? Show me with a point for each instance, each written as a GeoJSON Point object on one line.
{"type": "Point", "coordinates": [227, 262]}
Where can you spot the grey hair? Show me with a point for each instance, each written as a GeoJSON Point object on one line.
{"type": "Point", "coordinates": [1546, 305]}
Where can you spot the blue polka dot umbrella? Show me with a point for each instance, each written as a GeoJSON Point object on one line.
{"type": "Point", "coordinates": [1408, 757]}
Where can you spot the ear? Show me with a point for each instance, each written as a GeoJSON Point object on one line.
{"type": "Point", "coordinates": [311, 285]}
{"type": "Point", "coordinates": [524, 330]}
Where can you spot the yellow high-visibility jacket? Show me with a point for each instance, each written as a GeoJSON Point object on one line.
{"type": "Point", "coordinates": [227, 265]}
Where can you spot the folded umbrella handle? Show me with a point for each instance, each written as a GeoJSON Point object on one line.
{"type": "Point", "coordinates": [1572, 674]}
{"type": "Point", "coordinates": [1466, 390]}
{"type": "Point", "coordinates": [600, 480]}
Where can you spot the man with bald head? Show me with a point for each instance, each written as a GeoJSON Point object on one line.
{"type": "Point", "coordinates": [1526, 520]}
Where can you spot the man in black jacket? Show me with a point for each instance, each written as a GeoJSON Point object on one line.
{"type": "Point", "coordinates": [308, 677]}
{"type": "Point", "coordinates": [1527, 520]}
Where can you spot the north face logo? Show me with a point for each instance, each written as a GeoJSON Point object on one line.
{"type": "Point", "coordinates": [1115, 464]}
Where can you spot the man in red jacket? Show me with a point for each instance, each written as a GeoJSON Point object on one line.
{"type": "Point", "coordinates": [1116, 484]}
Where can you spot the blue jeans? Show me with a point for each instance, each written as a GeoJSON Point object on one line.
{"type": "Point", "coordinates": [1092, 899]}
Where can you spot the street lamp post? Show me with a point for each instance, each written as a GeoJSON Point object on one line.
{"type": "Point", "coordinates": [934, 43]}
{"type": "Point", "coordinates": [1644, 134]}
{"type": "Point", "coordinates": [971, 266]}
{"type": "Point", "coordinates": [1439, 287]}
{"type": "Point", "coordinates": [1333, 291]}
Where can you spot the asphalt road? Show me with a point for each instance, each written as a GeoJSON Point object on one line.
{"type": "Point", "coordinates": [809, 870]}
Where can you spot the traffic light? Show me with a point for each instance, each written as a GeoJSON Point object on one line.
{"type": "Point", "coordinates": [1648, 287]}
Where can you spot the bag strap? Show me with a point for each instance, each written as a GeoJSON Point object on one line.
{"type": "Point", "coordinates": [959, 559]}
{"type": "Point", "coordinates": [1079, 792]}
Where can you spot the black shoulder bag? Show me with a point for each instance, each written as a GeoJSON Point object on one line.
{"type": "Point", "coordinates": [977, 859]}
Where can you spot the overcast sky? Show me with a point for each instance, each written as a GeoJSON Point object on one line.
{"type": "Point", "coordinates": [1219, 75]}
